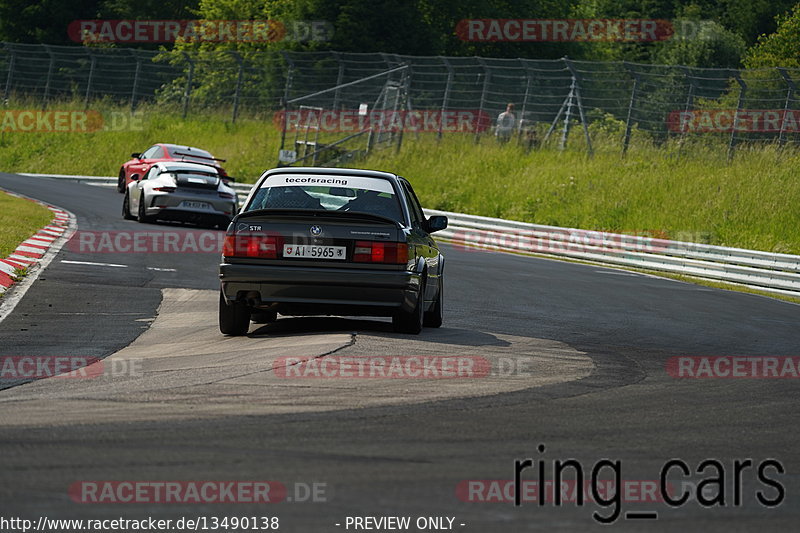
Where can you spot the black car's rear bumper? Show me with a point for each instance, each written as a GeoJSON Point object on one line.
{"type": "Point", "coordinates": [321, 290]}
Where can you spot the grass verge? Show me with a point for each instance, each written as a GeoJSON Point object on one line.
{"type": "Point", "coordinates": [19, 220]}
{"type": "Point", "coordinates": [750, 202]}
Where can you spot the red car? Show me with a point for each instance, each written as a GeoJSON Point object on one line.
{"type": "Point", "coordinates": [158, 153]}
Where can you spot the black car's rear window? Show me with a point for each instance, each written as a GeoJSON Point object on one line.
{"type": "Point", "coordinates": [375, 196]}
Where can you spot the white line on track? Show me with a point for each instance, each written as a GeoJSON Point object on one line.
{"type": "Point", "coordinates": [94, 264]}
{"type": "Point", "coordinates": [616, 273]}
{"type": "Point", "coordinates": [162, 269]}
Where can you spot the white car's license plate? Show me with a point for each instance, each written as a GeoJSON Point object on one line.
{"type": "Point", "coordinates": [314, 252]}
{"type": "Point", "coordinates": [194, 205]}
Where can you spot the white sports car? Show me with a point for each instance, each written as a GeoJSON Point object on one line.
{"type": "Point", "coordinates": [185, 192]}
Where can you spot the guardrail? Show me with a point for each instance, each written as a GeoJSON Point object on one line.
{"type": "Point", "coordinates": [772, 272]}
{"type": "Point", "coordinates": [762, 270]}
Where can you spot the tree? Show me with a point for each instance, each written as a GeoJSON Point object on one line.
{"type": "Point", "coordinates": [779, 49]}
{"type": "Point", "coordinates": [750, 18]}
{"type": "Point", "coordinates": [43, 21]}
{"type": "Point", "coordinates": [709, 46]}
{"type": "Point", "coordinates": [46, 21]}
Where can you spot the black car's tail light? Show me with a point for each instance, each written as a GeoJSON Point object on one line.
{"type": "Point", "coordinates": [258, 246]}
{"type": "Point", "coordinates": [226, 195]}
{"type": "Point", "coordinates": [380, 252]}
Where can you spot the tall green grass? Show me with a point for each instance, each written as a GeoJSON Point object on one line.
{"type": "Point", "coordinates": [19, 220]}
{"type": "Point", "coordinates": [752, 201]}
{"type": "Point", "coordinates": [250, 145]}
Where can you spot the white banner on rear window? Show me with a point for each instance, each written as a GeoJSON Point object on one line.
{"type": "Point", "coordinates": [350, 182]}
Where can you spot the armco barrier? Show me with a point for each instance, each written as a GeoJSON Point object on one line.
{"type": "Point", "coordinates": [767, 271]}
{"type": "Point", "coordinates": [763, 270]}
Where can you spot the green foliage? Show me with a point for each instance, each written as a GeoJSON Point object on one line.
{"type": "Point", "coordinates": [428, 27]}
{"type": "Point", "coordinates": [780, 49]}
{"type": "Point", "coordinates": [751, 18]}
{"type": "Point", "coordinates": [43, 21]}
{"type": "Point", "coordinates": [46, 21]}
{"type": "Point", "coordinates": [604, 123]}
{"type": "Point", "coordinates": [705, 44]}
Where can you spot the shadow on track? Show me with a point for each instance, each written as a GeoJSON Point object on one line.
{"type": "Point", "coordinates": [290, 326]}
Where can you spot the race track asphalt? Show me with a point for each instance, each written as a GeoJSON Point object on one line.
{"type": "Point", "coordinates": [408, 455]}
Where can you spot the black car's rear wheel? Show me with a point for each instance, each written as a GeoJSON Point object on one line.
{"type": "Point", "coordinates": [411, 322]}
{"type": "Point", "coordinates": [433, 318]}
{"type": "Point", "coordinates": [234, 317]}
{"type": "Point", "coordinates": [126, 208]}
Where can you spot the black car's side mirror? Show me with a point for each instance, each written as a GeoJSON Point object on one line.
{"type": "Point", "coordinates": [226, 179]}
{"type": "Point", "coordinates": [136, 155]}
{"type": "Point", "coordinates": [437, 223]}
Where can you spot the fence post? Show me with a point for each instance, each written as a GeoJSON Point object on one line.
{"type": "Point", "coordinates": [631, 105]}
{"type": "Point", "coordinates": [689, 102]}
{"type": "Point", "coordinates": [187, 92]}
{"type": "Point", "coordinates": [135, 80]}
{"type": "Point", "coordinates": [10, 75]}
{"type": "Point", "coordinates": [49, 74]}
{"type": "Point", "coordinates": [446, 97]}
{"type": "Point", "coordinates": [790, 88]}
{"type": "Point", "coordinates": [527, 90]}
{"type": "Point", "coordinates": [568, 110]}
{"type": "Point", "coordinates": [238, 92]}
{"type": "Point", "coordinates": [739, 104]}
{"type": "Point", "coordinates": [339, 79]}
{"type": "Point", "coordinates": [286, 88]}
{"type": "Point", "coordinates": [93, 62]}
{"type": "Point", "coordinates": [567, 116]}
{"type": "Point", "coordinates": [487, 76]}
{"type": "Point", "coordinates": [289, 75]}
{"type": "Point", "coordinates": [576, 84]}
{"type": "Point", "coordinates": [405, 105]}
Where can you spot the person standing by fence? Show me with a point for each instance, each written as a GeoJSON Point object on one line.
{"type": "Point", "coordinates": [505, 124]}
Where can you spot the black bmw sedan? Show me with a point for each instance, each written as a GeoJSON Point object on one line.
{"type": "Point", "coordinates": [325, 241]}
